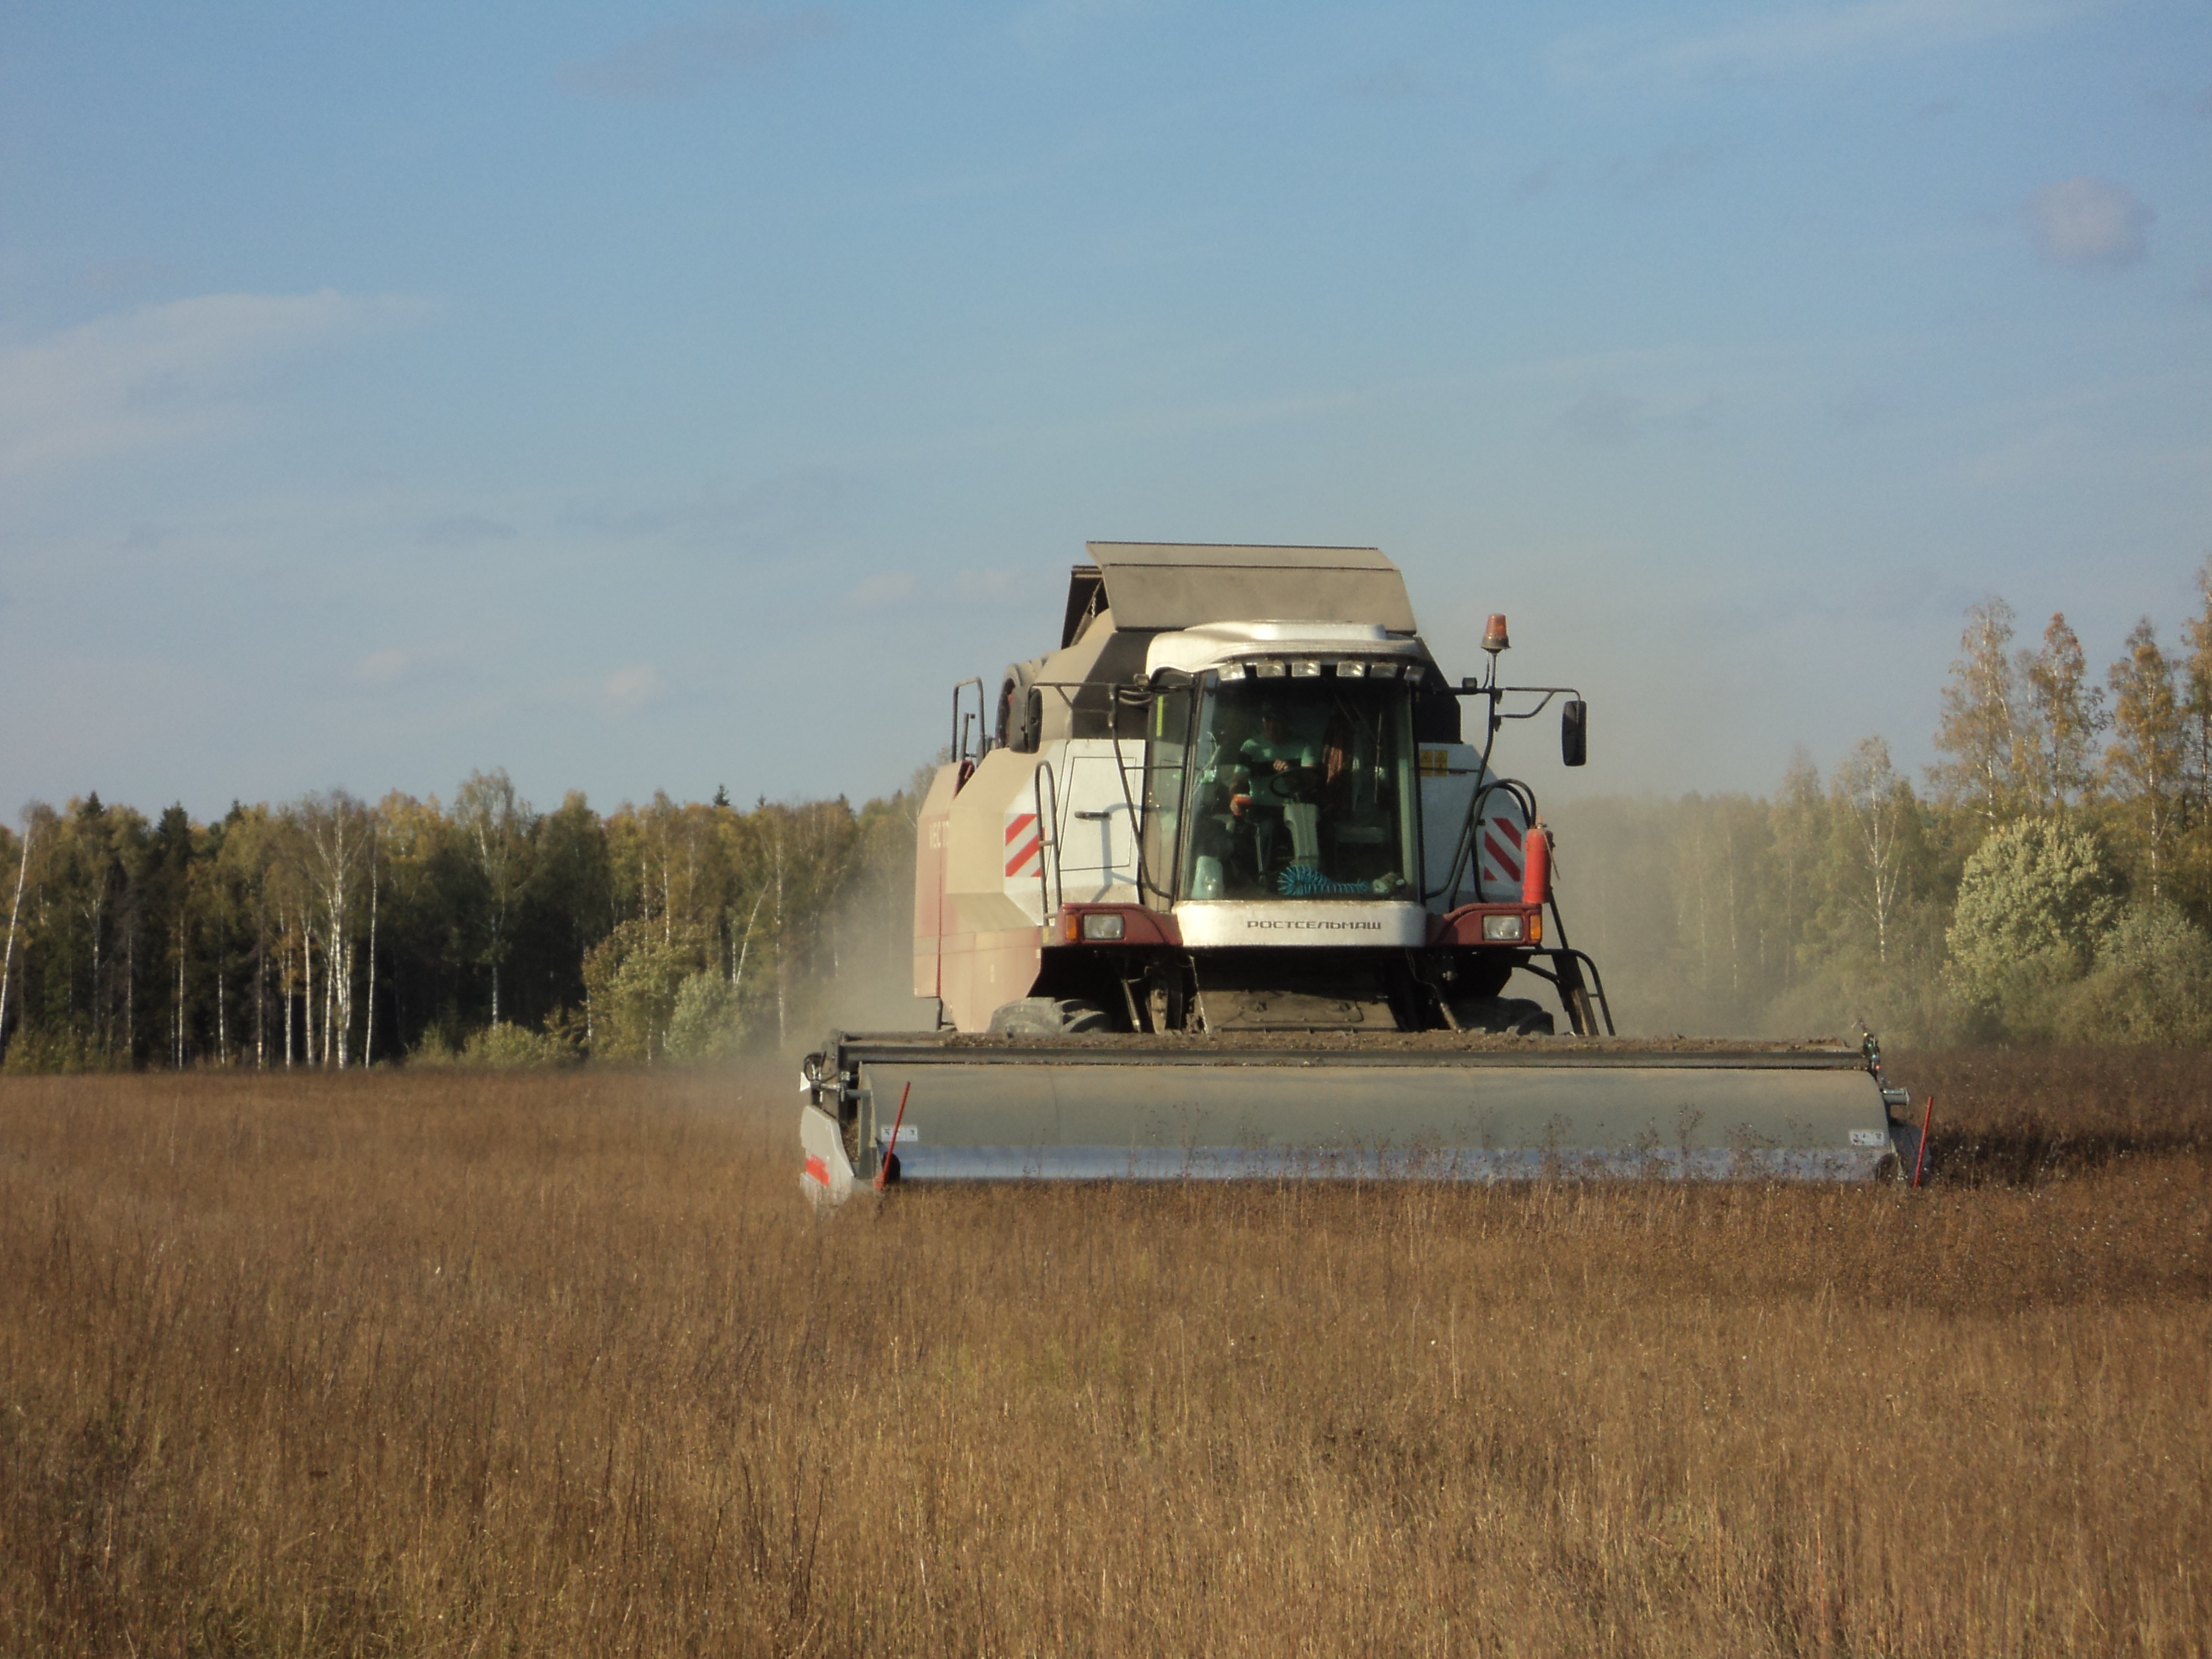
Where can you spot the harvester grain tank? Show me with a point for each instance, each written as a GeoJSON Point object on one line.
{"type": "Point", "coordinates": [1227, 885]}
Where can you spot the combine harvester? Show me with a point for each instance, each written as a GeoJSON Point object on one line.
{"type": "Point", "coordinates": [1223, 890]}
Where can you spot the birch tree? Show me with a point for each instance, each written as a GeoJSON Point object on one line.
{"type": "Point", "coordinates": [15, 912]}
{"type": "Point", "coordinates": [2197, 696]}
{"type": "Point", "coordinates": [1800, 817]}
{"type": "Point", "coordinates": [375, 860]}
{"type": "Point", "coordinates": [1874, 811]}
{"type": "Point", "coordinates": [1978, 731]}
{"type": "Point", "coordinates": [2057, 762]}
{"type": "Point", "coordinates": [2144, 762]}
{"type": "Point", "coordinates": [495, 825]}
{"type": "Point", "coordinates": [337, 829]}
{"type": "Point", "coordinates": [245, 861]}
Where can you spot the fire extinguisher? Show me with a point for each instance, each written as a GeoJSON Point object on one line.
{"type": "Point", "coordinates": [1536, 865]}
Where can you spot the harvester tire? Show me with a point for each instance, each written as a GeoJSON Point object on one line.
{"type": "Point", "coordinates": [1516, 1015]}
{"type": "Point", "coordinates": [1049, 1017]}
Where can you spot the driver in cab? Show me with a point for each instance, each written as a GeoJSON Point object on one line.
{"type": "Point", "coordinates": [1277, 769]}
{"type": "Point", "coordinates": [1273, 758]}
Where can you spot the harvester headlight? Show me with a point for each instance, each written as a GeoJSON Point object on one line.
{"type": "Point", "coordinates": [1103, 924]}
{"type": "Point", "coordinates": [1501, 930]}
{"type": "Point", "coordinates": [1305, 671]}
{"type": "Point", "coordinates": [1270, 671]}
{"type": "Point", "coordinates": [1383, 670]}
{"type": "Point", "coordinates": [1351, 671]}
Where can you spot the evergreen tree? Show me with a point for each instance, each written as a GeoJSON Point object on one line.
{"type": "Point", "coordinates": [2034, 900]}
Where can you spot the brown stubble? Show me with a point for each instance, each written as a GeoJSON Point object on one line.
{"type": "Point", "coordinates": [2020, 1116]}
{"type": "Point", "coordinates": [466, 1364]}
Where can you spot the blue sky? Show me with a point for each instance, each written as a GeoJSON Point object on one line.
{"type": "Point", "coordinates": [660, 397]}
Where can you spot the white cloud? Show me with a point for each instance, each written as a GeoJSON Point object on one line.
{"type": "Point", "coordinates": [686, 58]}
{"type": "Point", "coordinates": [464, 530]}
{"type": "Point", "coordinates": [382, 667]}
{"type": "Point", "coordinates": [1605, 416]}
{"type": "Point", "coordinates": [1669, 166]}
{"type": "Point", "coordinates": [1054, 23]}
{"type": "Point", "coordinates": [628, 689]}
{"type": "Point", "coordinates": [1666, 396]}
{"type": "Point", "coordinates": [1805, 37]}
{"type": "Point", "coordinates": [117, 276]}
{"type": "Point", "coordinates": [160, 375]}
{"type": "Point", "coordinates": [2087, 224]}
{"type": "Point", "coordinates": [780, 508]}
{"type": "Point", "coordinates": [992, 586]}
{"type": "Point", "coordinates": [1860, 407]}
{"type": "Point", "coordinates": [881, 591]}
{"type": "Point", "coordinates": [1536, 181]}
{"type": "Point", "coordinates": [1394, 83]}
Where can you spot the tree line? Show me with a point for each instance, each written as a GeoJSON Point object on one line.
{"type": "Point", "coordinates": [330, 932]}
{"type": "Point", "coordinates": [2051, 877]}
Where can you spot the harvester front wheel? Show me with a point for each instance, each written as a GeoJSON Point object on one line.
{"type": "Point", "coordinates": [1516, 1015]}
{"type": "Point", "coordinates": [1049, 1017]}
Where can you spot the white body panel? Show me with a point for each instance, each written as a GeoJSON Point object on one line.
{"type": "Point", "coordinates": [826, 1175]}
{"type": "Point", "coordinates": [1070, 834]}
{"type": "Point", "coordinates": [1301, 921]}
{"type": "Point", "coordinates": [1194, 650]}
{"type": "Point", "coordinates": [1097, 818]}
{"type": "Point", "coordinates": [1071, 839]}
{"type": "Point", "coordinates": [1072, 830]}
{"type": "Point", "coordinates": [1451, 773]}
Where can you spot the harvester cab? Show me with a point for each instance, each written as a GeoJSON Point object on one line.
{"type": "Point", "coordinates": [1221, 886]}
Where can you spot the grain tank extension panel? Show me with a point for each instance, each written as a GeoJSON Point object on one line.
{"type": "Point", "coordinates": [1157, 586]}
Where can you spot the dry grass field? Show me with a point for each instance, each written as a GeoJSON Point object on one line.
{"type": "Point", "coordinates": [562, 1365]}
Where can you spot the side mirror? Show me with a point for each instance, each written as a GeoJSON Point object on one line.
{"type": "Point", "coordinates": [1574, 731]}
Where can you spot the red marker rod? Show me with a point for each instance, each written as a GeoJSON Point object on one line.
{"type": "Point", "coordinates": [1919, 1163]}
{"type": "Point", "coordinates": [890, 1151]}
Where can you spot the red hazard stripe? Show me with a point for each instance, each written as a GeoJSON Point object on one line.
{"type": "Point", "coordinates": [1501, 858]}
{"type": "Point", "coordinates": [1512, 829]}
{"type": "Point", "coordinates": [817, 1170]}
{"type": "Point", "coordinates": [1014, 830]}
{"type": "Point", "coordinates": [1014, 863]}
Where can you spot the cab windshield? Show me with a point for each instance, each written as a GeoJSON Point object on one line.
{"type": "Point", "coordinates": [1300, 788]}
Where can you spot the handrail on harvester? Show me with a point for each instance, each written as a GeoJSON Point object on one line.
{"type": "Point", "coordinates": [959, 748]}
{"type": "Point", "coordinates": [1566, 974]}
{"type": "Point", "coordinates": [1050, 892]}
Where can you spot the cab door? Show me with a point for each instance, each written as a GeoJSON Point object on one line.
{"type": "Point", "coordinates": [1097, 829]}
